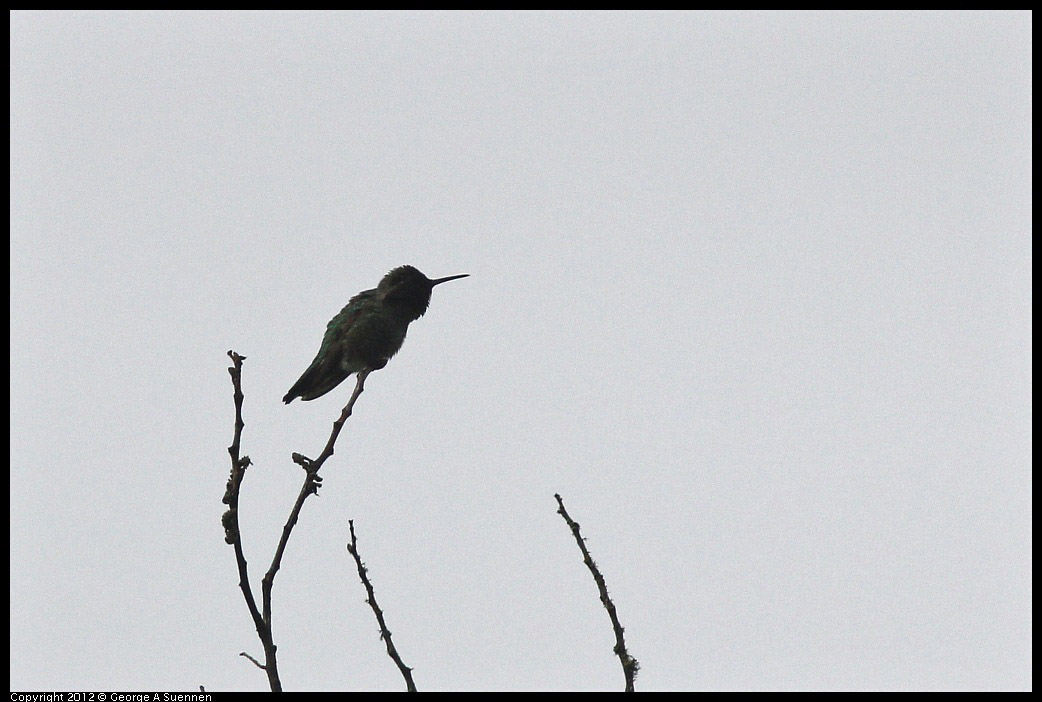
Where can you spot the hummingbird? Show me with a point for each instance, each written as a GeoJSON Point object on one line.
{"type": "Point", "coordinates": [368, 331]}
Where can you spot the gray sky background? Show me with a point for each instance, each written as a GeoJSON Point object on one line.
{"type": "Point", "coordinates": [751, 291]}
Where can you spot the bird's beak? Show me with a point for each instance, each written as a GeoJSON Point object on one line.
{"type": "Point", "coordinates": [439, 281]}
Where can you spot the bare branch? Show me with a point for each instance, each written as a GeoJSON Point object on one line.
{"type": "Point", "coordinates": [629, 664]}
{"type": "Point", "coordinates": [312, 481]}
{"type": "Point", "coordinates": [252, 659]}
{"type": "Point", "coordinates": [385, 633]}
{"type": "Point", "coordinates": [232, 535]}
{"type": "Point", "coordinates": [313, 466]}
{"type": "Point", "coordinates": [230, 520]}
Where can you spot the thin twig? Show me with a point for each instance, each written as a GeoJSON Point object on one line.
{"type": "Point", "coordinates": [629, 664]}
{"type": "Point", "coordinates": [310, 487]}
{"type": "Point", "coordinates": [314, 465]}
{"type": "Point", "coordinates": [251, 659]}
{"type": "Point", "coordinates": [232, 535]}
{"type": "Point", "coordinates": [385, 633]}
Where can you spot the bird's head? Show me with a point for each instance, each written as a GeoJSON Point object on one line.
{"type": "Point", "coordinates": [409, 289]}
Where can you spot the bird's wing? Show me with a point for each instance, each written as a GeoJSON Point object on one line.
{"type": "Point", "coordinates": [325, 371]}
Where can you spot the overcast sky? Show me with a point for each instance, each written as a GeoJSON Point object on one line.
{"type": "Point", "coordinates": [751, 291]}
